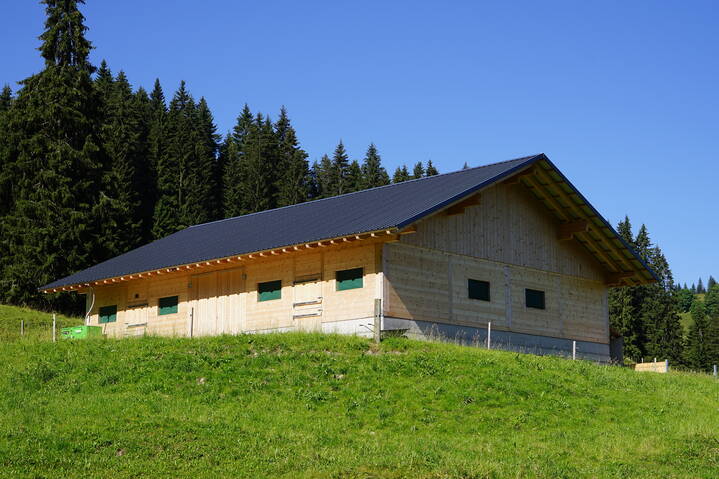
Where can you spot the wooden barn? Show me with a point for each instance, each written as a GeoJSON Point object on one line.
{"type": "Point", "coordinates": [511, 243]}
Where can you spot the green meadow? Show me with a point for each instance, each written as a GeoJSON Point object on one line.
{"type": "Point", "coordinates": [303, 405]}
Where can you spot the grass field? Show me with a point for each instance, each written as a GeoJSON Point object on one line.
{"type": "Point", "coordinates": [292, 405]}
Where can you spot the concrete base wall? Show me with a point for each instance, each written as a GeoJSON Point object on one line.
{"type": "Point", "coordinates": [359, 327]}
{"type": "Point", "coordinates": [504, 340]}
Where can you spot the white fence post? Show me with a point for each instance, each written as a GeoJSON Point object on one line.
{"type": "Point", "coordinates": [715, 370]}
{"type": "Point", "coordinates": [377, 332]}
{"type": "Point", "coordinates": [574, 350]}
{"type": "Point", "coordinates": [489, 335]}
{"type": "Point", "coordinates": [54, 322]}
{"type": "Point", "coordinates": [22, 327]}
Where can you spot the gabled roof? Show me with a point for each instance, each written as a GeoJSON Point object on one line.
{"type": "Point", "coordinates": [391, 207]}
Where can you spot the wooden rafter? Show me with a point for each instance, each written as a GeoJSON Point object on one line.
{"type": "Point", "coordinates": [566, 231]}
{"type": "Point", "coordinates": [459, 208]}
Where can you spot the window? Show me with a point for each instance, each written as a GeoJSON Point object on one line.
{"type": "Point", "coordinates": [269, 290]}
{"type": "Point", "coordinates": [108, 314]}
{"type": "Point", "coordinates": [349, 279]}
{"type": "Point", "coordinates": [534, 298]}
{"type": "Point", "coordinates": [167, 305]}
{"type": "Point", "coordinates": [478, 289]}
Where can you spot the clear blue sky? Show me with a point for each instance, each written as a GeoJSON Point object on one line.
{"type": "Point", "coordinates": [622, 96]}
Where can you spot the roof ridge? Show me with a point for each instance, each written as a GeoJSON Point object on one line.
{"type": "Point", "coordinates": [365, 190]}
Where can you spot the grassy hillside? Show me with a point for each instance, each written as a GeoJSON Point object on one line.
{"type": "Point", "coordinates": [38, 324]}
{"type": "Point", "coordinates": [297, 405]}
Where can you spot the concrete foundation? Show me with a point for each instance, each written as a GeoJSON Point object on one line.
{"type": "Point", "coordinates": [504, 340]}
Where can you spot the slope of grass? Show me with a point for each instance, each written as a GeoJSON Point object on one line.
{"type": "Point", "coordinates": [38, 324]}
{"type": "Point", "coordinates": [293, 405]}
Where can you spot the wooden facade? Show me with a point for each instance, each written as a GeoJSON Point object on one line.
{"type": "Point", "coordinates": [503, 236]}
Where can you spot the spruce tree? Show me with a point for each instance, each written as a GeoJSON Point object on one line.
{"type": "Point", "coordinates": [340, 165]}
{"type": "Point", "coordinates": [234, 203]}
{"type": "Point", "coordinates": [373, 173]}
{"type": "Point", "coordinates": [684, 299]}
{"type": "Point", "coordinates": [696, 352]}
{"type": "Point", "coordinates": [324, 177]}
{"type": "Point", "coordinates": [5, 99]}
{"type": "Point", "coordinates": [57, 166]}
{"type": "Point", "coordinates": [354, 179]}
{"type": "Point", "coordinates": [6, 147]}
{"type": "Point", "coordinates": [431, 170]}
{"type": "Point", "coordinates": [401, 174]}
{"type": "Point", "coordinates": [208, 170]}
{"type": "Point", "coordinates": [293, 180]}
{"type": "Point", "coordinates": [700, 287]}
{"type": "Point", "coordinates": [710, 283]}
{"type": "Point", "coordinates": [418, 171]}
{"type": "Point", "coordinates": [178, 204]}
{"type": "Point", "coordinates": [120, 217]}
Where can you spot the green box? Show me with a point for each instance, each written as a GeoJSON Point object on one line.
{"type": "Point", "coordinates": [81, 332]}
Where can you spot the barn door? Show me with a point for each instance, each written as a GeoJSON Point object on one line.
{"type": "Point", "coordinates": [230, 308]}
{"type": "Point", "coordinates": [136, 319]}
{"type": "Point", "coordinates": [204, 318]}
{"type": "Point", "coordinates": [307, 303]}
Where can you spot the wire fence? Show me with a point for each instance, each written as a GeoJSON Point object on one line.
{"type": "Point", "coordinates": [36, 329]}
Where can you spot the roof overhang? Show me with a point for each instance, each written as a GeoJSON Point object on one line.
{"type": "Point", "coordinates": [579, 221]}
{"type": "Point", "coordinates": [386, 235]}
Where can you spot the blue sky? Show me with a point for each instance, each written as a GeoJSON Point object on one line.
{"type": "Point", "coordinates": [622, 96]}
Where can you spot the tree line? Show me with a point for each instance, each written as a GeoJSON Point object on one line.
{"type": "Point", "coordinates": [649, 316]}
{"type": "Point", "coordinates": [91, 168]}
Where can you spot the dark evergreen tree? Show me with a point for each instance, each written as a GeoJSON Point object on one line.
{"type": "Point", "coordinates": [354, 180]}
{"type": "Point", "coordinates": [710, 283]}
{"type": "Point", "coordinates": [647, 315]}
{"type": "Point", "coordinates": [700, 287]}
{"type": "Point", "coordinates": [340, 166]}
{"type": "Point", "coordinates": [233, 201]}
{"type": "Point", "coordinates": [401, 174]}
{"type": "Point", "coordinates": [120, 218]}
{"type": "Point", "coordinates": [696, 352]}
{"type": "Point", "coordinates": [711, 300]}
{"type": "Point", "coordinates": [57, 166]}
{"type": "Point", "coordinates": [373, 173]}
{"type": "Point", "coordinates": [465, 166]}
{"type": "Point", "coordinates": [5, 99]}
{"type": "Point", "coordinates": [693, 289]}
{"type": "Point", "coordinates": [208, 170]}
{"type": "Point", "coordinates": [6, 147]}
{"type": "Point", "coordinates": [684, 300]}
{"type": "Point", "coordinates": [323, 175]}
{"type": "Point", "coordinates": [431, 170]}
{"type": "Point", "coordinates": [182, 201]}
{"type": "Point", "coordinates": [293, 181]}
{"type": "Point", "coordinates": [418, 171]}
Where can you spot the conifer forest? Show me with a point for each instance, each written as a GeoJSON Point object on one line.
{"type": "Point", "coordinates": [92, 166]}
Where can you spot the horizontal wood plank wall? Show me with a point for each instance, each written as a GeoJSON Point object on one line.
{"type": "Point", "coordinates": [224, 299]}
{"type": "Point", "coordinates": [509, 226]}
{"type": "Point", "coordinates": [430, 285]}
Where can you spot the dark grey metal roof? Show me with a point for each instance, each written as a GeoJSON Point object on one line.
{"type": "Point", "coordinates": [376, 209]}
{"type": "Point", "coordinates": [385, 207]}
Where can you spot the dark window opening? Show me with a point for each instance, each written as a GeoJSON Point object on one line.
{"type": "Point", "coordinates": [478, 289]}
{"type": "Point", "coordinates": [534, 298]}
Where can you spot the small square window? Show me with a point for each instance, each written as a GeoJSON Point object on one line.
{"type": "Point", "coordinates": [349, 279]}
{"type": "Point", "coordinates": [167, 305]}
{"type": "Point", "coordinates": [108, 314]}
{"type": "Point", "coordinates": [478, 289]}
{"type": "Point", "coordinates": [534, 298]}
{"type": "Point", "coordinates": [269, 290]}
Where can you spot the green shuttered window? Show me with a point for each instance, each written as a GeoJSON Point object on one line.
{"type": "Point", "coordinates": [349, 279]}
{"type": "Point", "coordinates": [167, 305]}
{"type": "Point", "coordinates": [108, 314]}
{"type": "Point", "coordinates": [269, 290]}
{"type": "Point", "coordinates": [478, 289]}
{"type": "Point", "coordinates": [534, 298]}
